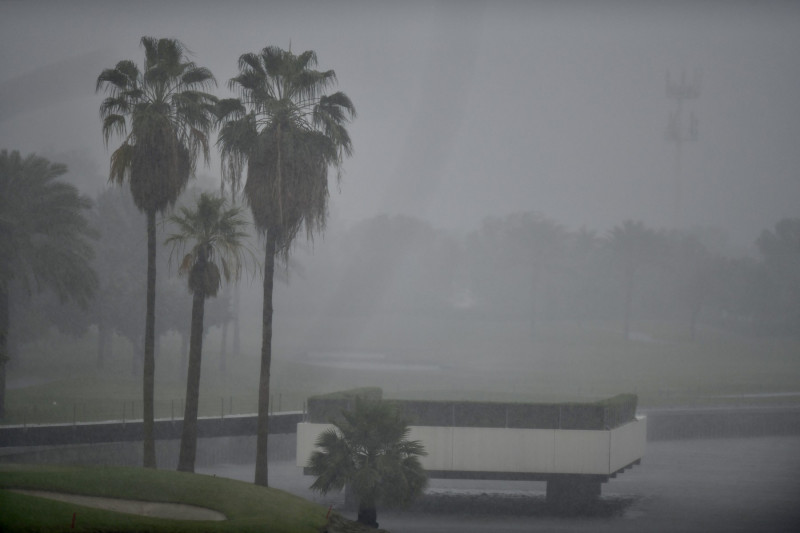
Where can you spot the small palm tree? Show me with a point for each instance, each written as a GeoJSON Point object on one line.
{"type": "Point", "coordinates": [44, 238]}
{"type": "Point", "coordinates": [216, 236]}
{"type": "Point", "coordinates": [286, 132]}
{"type": "Point", "coordinates": [164, 117]}
{"type": "Point", "coordinates": [368, 451]}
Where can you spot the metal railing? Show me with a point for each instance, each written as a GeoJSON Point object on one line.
{"type": "Point", "coordinates": [75, 411]}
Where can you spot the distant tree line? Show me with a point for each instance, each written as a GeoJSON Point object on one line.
{"type": "Point", "coordinates": [526, 266]}
{"type": "Point", "coordinates": [118, 303]}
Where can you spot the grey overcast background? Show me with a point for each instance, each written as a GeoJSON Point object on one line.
{"type": "Point", "coordinates": [469, 109]}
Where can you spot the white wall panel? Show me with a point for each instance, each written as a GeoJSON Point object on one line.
{"type": "Point", "coordinates": [540, 451]}
{"type": "Point", "coordinates": [581, 452]}
{"type": "Point", "coordinates": [307, 435]}
{"type": "Point", "coordinates": [438, 442]}
{"type": "Point", "coordinates": [628, 443]}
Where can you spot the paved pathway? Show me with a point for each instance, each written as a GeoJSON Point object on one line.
{"type": "Point", "coordinates": [175, 511]}
{"type": "Point", "coordinates": [709, 485]}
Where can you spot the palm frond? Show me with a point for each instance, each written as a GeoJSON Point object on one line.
{"type": "Point", "coordinates": [286, 102]}
{"type": "Point", "coordinates": [368, 450]}
{"type": "Point", "coordinates": [164, 116]}
{"type": "Point", "coordinates": [44, 240]}
{"type": "Point", "coordinates": [216, 234]}
{"type": "Point", "coordinates": [113, 125]}
{"type": "Point", "coordinates": [121, 164]}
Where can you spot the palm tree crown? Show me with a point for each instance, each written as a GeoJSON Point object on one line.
{"type": "Point", "coordinates": [163, 115]}
{"type": "Point", "coordinates": [218, 236]}
{"type": "Point", "coordinates": [43, 231]}
{"type": "Point", "coordinates": [287, 132]}
{"type": "Point", "coordinates": [369, 450]}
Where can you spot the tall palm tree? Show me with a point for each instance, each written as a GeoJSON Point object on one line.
{"type": "Point", "coordinates": [216, 235]}
{"type": "Point", "coordinates": [164, 116]}
{"type": "Point", "coordinates": [43, 238]}
{"type": "Point", "coordinates": [286, 133]}
{"type": "Point", "coordinates": [368, 451]}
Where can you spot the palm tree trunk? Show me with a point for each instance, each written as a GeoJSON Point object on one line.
{"type": "Point", "coordinates": [279, 168]}
{"type": "Point", "coordinates": [262, 477]}
{"type": "Point", "coordinates": [4, 324]}
{"type": "Point", "coordinates": [189, 434]}
{"type": "Point", "coordinates": [148, 380]}
{"type": "Point", "coordinates": [367, 513]}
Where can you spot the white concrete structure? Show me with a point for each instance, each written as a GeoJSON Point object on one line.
{"type": "Point", "coordinates": [515, 452]}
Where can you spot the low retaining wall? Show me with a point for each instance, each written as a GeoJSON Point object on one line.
{"type": "Point", "coordinates": [97, 432]}
{"type": "Point", "coordinates": [719, 423]}
{"type": "Point", "coordinates": [210, 451]}
{"type": "Point", "coordinates": [598, 415]}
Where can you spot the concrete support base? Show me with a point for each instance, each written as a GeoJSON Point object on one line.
{"type": "Point", "coordinates": [573, 493]}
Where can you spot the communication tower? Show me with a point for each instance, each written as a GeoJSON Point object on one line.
{"type": "Point", "coordinates": [679, 130]}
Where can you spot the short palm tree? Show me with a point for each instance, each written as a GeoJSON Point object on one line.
{"type": "Point", "coordinates": [214, 235]}
{"type": "Point", "coordinates": [368, 451]}
{"type": "Point", "coordinates": [286, 132]}
{"type": "Point", "coordinates": [44, 238]}
{"type": "Point", "coordinates": [164, 116]}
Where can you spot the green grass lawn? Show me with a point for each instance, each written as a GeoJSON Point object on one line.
{"type": "Point", "coordinates": [248, 508]}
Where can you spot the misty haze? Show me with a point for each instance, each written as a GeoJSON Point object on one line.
{"type": "Point", "coordinates": [535, 203]}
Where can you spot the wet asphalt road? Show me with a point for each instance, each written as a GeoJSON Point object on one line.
{"type": "Point", "coordinates": [709, 485]}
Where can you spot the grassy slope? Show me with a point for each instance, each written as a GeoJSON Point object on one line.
{"type": "Point", "coordinates": [248, 507]}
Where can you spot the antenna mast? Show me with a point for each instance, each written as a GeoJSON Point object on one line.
{"type": "Point", "coordinates": [679, 130]}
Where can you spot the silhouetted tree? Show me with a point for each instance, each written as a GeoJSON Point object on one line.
{"type": "Point", "coordinates": [512, 258]}
{"type": "Point", "coordinates": [780, 252]}
{"type": "Point", "coordinates": [215, 237]}
{"type": "Point", "coordinates": [119, 299]}
{"type": "Point", "coordinates": [164, 117]}
{"type": "Point", "coordinates": [44, 238]}
{"type": "Point", "coordinates": [537, 243]}
{"type": "Point", "coordinates": [286, 132]}
{"type": "Point", "coordinates": [368, 451]}
{"type": "Point", "coordinates": [396, 262]}
{"type": "Point", "coordinates": [634, 245]}
{"type": "Point", "coordinates": [584, 267]}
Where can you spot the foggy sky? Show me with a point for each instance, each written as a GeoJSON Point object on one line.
{"type": "Point", "coordinates": [468, 109]}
